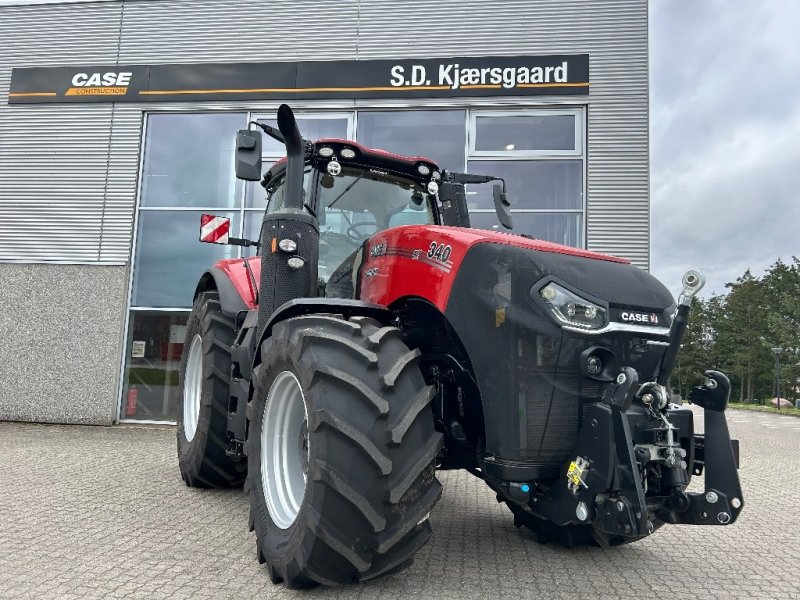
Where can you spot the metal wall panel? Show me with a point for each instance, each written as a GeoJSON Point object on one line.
{"type": "Point", "coordinates": [53, 158]}
{"type": "Point", "coordinates": [613, 32]}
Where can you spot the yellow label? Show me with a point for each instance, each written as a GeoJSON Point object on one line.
{"type": "Point", "coordinates": [97, 91]}
{"type": "Point", "coordinates": [574, 473]}
{"type": "Point", "coordinates": [500, 316]}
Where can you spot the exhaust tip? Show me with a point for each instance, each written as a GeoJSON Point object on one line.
{"type": "Point", "coordinates": [286, 120]}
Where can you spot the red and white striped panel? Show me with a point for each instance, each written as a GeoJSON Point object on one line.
{"type": "Point", "coordinates": [214, 230]}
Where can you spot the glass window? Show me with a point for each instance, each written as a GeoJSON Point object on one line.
{"type": "Point", "coordinates": [189, 160]}
{"type": "Point", "coordinates": [312, 128]}
{"type": "Point", "coordinates": [276, 194]}
{"type": "Point", "coordinates": [170, 258]}
{"type": "Point", "coordinates": [153, 351]}
{"type": "Point", "coordinates": [536, 184]}
{"type": "Point", "coordinates": [255, 196]}
{"type": "Point", "coordinates": [437, 134]}
{"type": "Point", "coordinates": [551, 132]}
{"type": "Point", "coordinates": [357, 204]}
{"type": "Point", "coordinates": [561, 228]}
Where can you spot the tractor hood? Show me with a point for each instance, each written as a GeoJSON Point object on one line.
{"type": "Point", "coordinates": [528, 315]}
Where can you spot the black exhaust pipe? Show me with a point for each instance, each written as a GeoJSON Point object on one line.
{"type": "Point", "coordinates": [294, 157]}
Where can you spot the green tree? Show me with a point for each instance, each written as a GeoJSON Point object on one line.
{"type": "Point", "coordinates": [740, 337]}
{"type": "Point", "coordinates": [697, 349]}
{"type": "Point", "coordinates": [782, 288]}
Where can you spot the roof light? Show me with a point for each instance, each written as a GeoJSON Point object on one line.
{"type": "Point", "coordinates": [348, 153]}
{"type": "Point", "coordinates": [424, 169]}
{"type": "Point", "coordinates": [436, 176]}
{"type": "Point", "coordinates": [433, 188]}
{"type": "Point", "coordinates": [334, 168]}
{"type": "Point", "coordinates": [325, 152]}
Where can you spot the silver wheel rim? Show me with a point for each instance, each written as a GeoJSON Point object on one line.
{"type": "Point", "coordinates": [193, 388]}
{"type": "Point", "coordinates": [284, 449]}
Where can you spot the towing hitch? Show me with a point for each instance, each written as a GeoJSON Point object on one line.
{"type": "Point", "coordinates": [722, 501]}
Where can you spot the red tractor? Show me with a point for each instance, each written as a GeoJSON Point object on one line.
{"type": "Point", "coordinates": [376, 338]}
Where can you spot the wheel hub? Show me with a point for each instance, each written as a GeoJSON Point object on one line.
{"type": "Point", "coordinates": [284, 449]}
{"type": "Point", "coordinates": [193, 388]}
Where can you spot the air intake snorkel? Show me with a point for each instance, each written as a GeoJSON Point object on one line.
{"type": "Point", "coordinates": [290, 234]}
{"type": "Point", "coordinates": [295, 149]}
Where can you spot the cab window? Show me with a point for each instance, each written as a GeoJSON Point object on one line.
{"type": "Point", "coordinates": [359, 203]}
{"type": "Point", "coordinates": [277, 191]}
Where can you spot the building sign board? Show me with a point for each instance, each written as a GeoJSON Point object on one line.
{"type": "Point", "coordinates": [408, 78]}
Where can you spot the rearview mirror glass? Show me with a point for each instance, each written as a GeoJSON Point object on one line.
{"type": "Point", "coordinates": [248, 155]}
{"type": "Point", "coordinates": [502, 206]}
{"type": "Point", "coordinates": [214, 230]}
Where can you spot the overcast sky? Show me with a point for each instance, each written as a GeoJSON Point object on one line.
{"type": "Point", "coordinates": [724, 137]}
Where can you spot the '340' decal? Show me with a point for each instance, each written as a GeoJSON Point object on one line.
{"type": "Point", "coordinates": [439, 252]}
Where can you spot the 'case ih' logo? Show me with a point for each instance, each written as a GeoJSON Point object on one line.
{"type": "Point", "coordinates": [636, 317]}
{"type": "Point", "coordinates": [100, 84]}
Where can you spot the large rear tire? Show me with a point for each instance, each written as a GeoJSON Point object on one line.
{"type": "Point", "coordinates": [341, 452]}
{"type": "Point", "coordinates": [203, 391]}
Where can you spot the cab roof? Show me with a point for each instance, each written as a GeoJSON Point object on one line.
{"type": "Point", "coordinates": [364, 156]}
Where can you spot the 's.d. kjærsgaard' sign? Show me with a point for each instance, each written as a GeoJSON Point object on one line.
{"type": "Point", "coordinates": [448, 78]}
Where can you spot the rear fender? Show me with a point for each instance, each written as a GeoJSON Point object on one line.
{"type": "Point", "coordinates": [229, 298]}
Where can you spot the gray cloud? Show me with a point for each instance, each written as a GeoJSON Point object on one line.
{"type": "Point", "coordinates": [725, 137]}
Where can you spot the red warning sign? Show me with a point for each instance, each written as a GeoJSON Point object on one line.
{"type": "Point", "coordinates": [214, 230]}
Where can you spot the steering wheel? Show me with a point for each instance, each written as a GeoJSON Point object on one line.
{"type": "Point", "coordinates": [356, 236]}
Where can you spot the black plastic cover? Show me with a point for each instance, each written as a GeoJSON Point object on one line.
{"type": "Point", "coordinates": [528, 369]}
{"type": "Point", "coordinates": [279, 282]}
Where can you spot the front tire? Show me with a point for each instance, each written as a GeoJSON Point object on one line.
{"type": "Point", "coordinates": [341, 452]}
{"type": "Point", "coordinates": [203, 392]}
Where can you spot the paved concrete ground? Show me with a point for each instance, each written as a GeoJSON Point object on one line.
{"type": "Point", "coordinates": [102, 512]}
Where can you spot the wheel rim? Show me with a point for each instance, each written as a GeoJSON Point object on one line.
{"type": "Point", "coordinates": [193, 388]}
{"type": "Point", "coordinates": [284, 449]}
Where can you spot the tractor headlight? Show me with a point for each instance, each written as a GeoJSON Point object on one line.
{"type": "Point", "coordinates": [571, 309]}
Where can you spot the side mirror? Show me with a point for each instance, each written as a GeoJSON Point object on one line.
{"type": "Point", "coordinates": [502, 206]}
{"type": "Point", "coordinates": [248, 155]}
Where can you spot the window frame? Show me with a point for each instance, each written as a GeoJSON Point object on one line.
{"type": "Point", "coordinates": [472, 131]}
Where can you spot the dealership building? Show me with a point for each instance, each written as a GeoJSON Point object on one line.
{"type": "Point", "coordinates": [117, 127]}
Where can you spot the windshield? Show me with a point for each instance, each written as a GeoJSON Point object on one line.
{"type": "Point", "coordinates": [357, 204]}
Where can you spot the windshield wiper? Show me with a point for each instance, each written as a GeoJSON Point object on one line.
{"type": "Point", "coordinates": [347, 189]}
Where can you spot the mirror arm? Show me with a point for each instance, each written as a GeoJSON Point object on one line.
{"type": "Point", "coordinates": [278, 136]}
{"type": "Point", "coordinates": [272, 132]}
{"type": "Point", "coordinates": [232, 241]}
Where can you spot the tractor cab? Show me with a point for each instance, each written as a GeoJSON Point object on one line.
{"type": "Point", "coordinates": [349, 193]}
{"type": "Point", "coordinates": [355, 192]}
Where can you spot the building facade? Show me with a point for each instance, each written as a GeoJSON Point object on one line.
{"type": "Point", "coordinates": [101, 191]}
